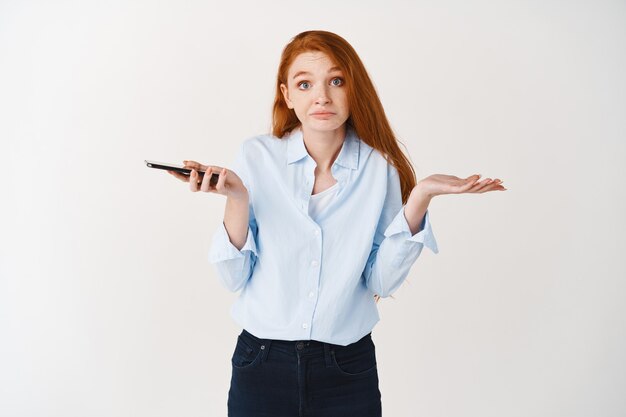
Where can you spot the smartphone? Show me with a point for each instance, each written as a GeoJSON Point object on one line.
{"type": "Point", "coordinates": [180, 168]}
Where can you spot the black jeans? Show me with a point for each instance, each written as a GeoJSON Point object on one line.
{"type": "Point", "coordinates": [308, 378]}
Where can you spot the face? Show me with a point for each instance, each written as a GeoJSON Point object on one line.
{"type": "Point", "coordinates": [316, 91]}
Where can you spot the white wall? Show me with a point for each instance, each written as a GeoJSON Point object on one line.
{"type": "Point", "coordinates": [108, 305]}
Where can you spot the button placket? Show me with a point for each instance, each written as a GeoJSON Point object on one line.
{"type": "Point", "coordinates": [315, 255]}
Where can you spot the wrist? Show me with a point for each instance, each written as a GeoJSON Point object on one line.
{"type": "Point", "coordinates": [421, 192]}
{"type": "Point", "coordinates": [238, 198]}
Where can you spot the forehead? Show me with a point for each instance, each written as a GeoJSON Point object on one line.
{"type": "Point", "coordinates": [312, 61]}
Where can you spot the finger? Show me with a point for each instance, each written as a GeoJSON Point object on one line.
{"type": "Point", "coordinates": [472, 181]}
{"type": "Point", "coordinates": [206, 186]}
{"type": "Point", "coordinates": [487, 185]}
{"type": "Point", "coordinates": [465, 183]}
{"type": "Point", "coordinates": [179, 176]}
{"type": "Point", "coordinates": [191, 163]}
{"type": "Point", "coordinates": [478, 186]}
{"type": "Point", "coordinates": [496, 185]}
{"type": "Point", "coordinates": [469, 182]}
{"type": "Point", "coordinates": [495, 182]}
{"type": "Point", "coordinates": [221, 182]}
{"type": "Point", "coordinates": [490, 187]}
{"type": "Point", "coordinates": [195, 165]}
{"type": "Point", "coordinates": [193, 181]}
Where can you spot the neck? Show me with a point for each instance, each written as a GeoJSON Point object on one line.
{"type": "Point", "coordinates": [324, 147]}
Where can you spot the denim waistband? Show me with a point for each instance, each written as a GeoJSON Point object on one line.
{"type": "Point", "coordinates": [301, 346]}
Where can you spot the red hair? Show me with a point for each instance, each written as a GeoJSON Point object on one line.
{"type": "Point", "coordinates": [367, 116]}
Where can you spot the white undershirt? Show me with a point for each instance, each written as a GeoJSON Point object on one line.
{"type": "Point", "coordinates": [320, 201]}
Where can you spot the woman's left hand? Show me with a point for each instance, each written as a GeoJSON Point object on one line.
{"type": "Point", "coordinates": [439, 184]}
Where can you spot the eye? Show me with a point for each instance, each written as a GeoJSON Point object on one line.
{"type": "Point", "coordinates": [303, 85]}
{"type": "Point", "coordinates": [337, 81]}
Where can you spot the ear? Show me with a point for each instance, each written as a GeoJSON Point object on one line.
{"type": "Point", "coordinates": [285, 91]}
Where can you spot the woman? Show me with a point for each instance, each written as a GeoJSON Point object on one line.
{"type": "Point", "coordinates": [323, 217]}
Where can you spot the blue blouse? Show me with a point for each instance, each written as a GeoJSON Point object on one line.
{"type": "Point", "coordinates": [305, 279]}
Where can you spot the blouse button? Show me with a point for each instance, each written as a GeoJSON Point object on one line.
{"type": "Point", "coordinates": [314, 263]}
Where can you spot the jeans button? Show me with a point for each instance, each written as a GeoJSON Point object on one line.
{"type": "Point", "coordinates": [300, 345]}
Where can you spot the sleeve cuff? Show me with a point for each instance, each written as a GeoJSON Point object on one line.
{"type": "Point", "coordinates": [222, 248]}
{"type": "Point", "coordinates": [425, 236]}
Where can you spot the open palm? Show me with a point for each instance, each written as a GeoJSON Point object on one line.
{"type": "Point", "coordinates": [439, 184]}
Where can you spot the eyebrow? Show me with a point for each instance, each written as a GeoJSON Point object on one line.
{"type": "Point", "coordinates": [308, 73]}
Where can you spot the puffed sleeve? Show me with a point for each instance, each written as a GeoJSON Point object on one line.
{"type": "Point", "coordinates": [395, 249]}
{"type": "Point", "coordinates": [234, 267]}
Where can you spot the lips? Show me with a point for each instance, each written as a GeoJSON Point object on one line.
{"type": "Point", "coordinates": [322, 113]}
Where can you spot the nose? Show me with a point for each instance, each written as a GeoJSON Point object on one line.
{"type": "Point", "coordinates": [322, 96]}
{"type": "Point", "coordinates": [322, 100]}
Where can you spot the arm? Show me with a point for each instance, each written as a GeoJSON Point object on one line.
{"type": "Point", "coordinates": [395, 246]}
{"type": "Point", "coordinates": [236, 218]}
{"type": "Point", "coordinates": [233, 250]}
{"type": "Point", "coordinates": [415, 209]}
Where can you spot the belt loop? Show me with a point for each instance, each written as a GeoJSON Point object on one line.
{"type": "Point", "coordinates": [265, 348]}
{"type": "Point", "coordinates": [327, 353]}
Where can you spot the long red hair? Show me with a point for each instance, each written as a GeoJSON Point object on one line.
{"type": "Point", "coordinates": [367, 116]}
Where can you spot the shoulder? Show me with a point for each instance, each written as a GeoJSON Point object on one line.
{"type": "Point", "coordinates": [254, 146]}
{"type": "Point", "coordinates": [375, 160]}
{"type": "Point", "coordinates": [254, 155]}
{"type": "Point", "coordinates": [260, 152]}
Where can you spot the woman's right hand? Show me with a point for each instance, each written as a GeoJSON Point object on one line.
{"type": "Point", "coordinates": [228, 184]}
